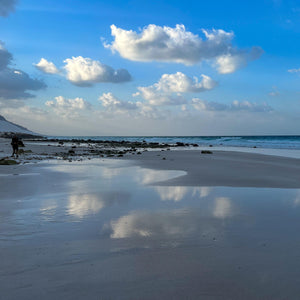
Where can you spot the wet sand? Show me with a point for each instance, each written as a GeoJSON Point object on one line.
{"type": "Point", "coordinates": [102, 229]}
{"type": "Point", "coordinates": [224, 168]}
{"type": "Point", "coordinates": [155, 225]}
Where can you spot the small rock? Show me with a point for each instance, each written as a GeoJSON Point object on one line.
{"type": "Point", "coordinates": [206, 152]}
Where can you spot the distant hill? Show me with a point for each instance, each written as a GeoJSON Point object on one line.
{"type": "Point", "coordinates": [7, 128]}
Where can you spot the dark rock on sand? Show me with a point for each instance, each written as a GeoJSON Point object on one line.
{"type": "Point", "coordinates": [6, 162]}
{"type": "Point", "coordinates": [206, 152]}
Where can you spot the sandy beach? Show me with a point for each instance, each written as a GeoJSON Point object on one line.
{"type": "Point", "coordinates": [218, 168]}
{"type": "Point", "coordinates": [171, 224]}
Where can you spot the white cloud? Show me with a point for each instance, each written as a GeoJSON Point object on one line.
{"type": "Point", "coordinates": [46, 66]}
{"type": "Point", "coordinates": [155, 98]}
{"type": "Point", "coordinates": [68, 107]}
{"type": "Point", "coordinates": [294, 70]}
{"type": "Point", "coordinates": [85, 72]}
{"type": "Point", "coordinates": [7, 6]}
{"type": "Point", "coordinates": [203, 105]}
{"type": "Point", "coordinates": [162, 92]}
{"type": "Point", "coordinates": [156, 43]}
{"type": "Point", "coordinates": [181, 83]}
{"type": "Point", "coordinates": [116, 107]}
{"type": "Point", "coordinates": [111, 103]}
{"type": "Point", "coordinates": [229, 63]}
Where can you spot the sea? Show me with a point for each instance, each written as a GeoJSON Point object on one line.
{"type": "Point", "coordinates": [267, 142]}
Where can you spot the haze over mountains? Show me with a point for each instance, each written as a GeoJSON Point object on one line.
{"type": "Point", "coordinates": [8, 127]}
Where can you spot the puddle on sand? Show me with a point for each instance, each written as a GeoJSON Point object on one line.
{"type": "Point", "coordinates": [113, 234]}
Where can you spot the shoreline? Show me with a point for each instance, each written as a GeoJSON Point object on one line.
{"type": "Point", "coordinates": [220, 168]}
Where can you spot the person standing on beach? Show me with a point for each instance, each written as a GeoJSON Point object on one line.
{"type": "Point", "coordinates": [15, 145]}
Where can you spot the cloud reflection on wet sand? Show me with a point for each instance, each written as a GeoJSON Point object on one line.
{"type": "Point", "coordinates": [177, 193]}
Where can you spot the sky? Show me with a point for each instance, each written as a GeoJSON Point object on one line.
{"type": "Point", "coordinates": [154, 67]}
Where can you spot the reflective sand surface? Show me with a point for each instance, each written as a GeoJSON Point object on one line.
{"type": "Point", "coordinates": [105, 231]}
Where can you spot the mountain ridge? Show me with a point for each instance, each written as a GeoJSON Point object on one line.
{"type": "Point", "coordinates": [7, 127]}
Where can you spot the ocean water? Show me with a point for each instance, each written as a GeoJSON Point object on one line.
{"type": "Point", "coordinates": [268, 142]}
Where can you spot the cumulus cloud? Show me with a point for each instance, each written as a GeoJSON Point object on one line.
{"type": "Point", "coordinates": [166, 44]}
{"type": "Point", "coordinates": [7, 6]}
{"type": "Point", "coordinates": [155, 98]}
{"type": "Point", "coordinates": [85, 72]}
{"type": "Point", "coordinates": [203, 105]}
{"type": "Point", "coordinates": [46, 67]}
{"type": "Point", "coordinates": [181, 83]}
{"type": "Point", "coordinates": [162, 92]}
{"type": "Point", "coordinates": [68, 107]}
{"type": "Point", "coordinates": [294, 70]}
{"type": "Point", "coordinates": [111, 103]}
{"type": "Point", "coordinates": [113, 106]}
{"type": "Point", "coordinates": [14, 83]}
{"type": "Point", "coordinates": [229, 63]}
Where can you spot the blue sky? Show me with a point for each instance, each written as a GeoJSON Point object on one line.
{"type": "Point", "coordinates": [129, 67]}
